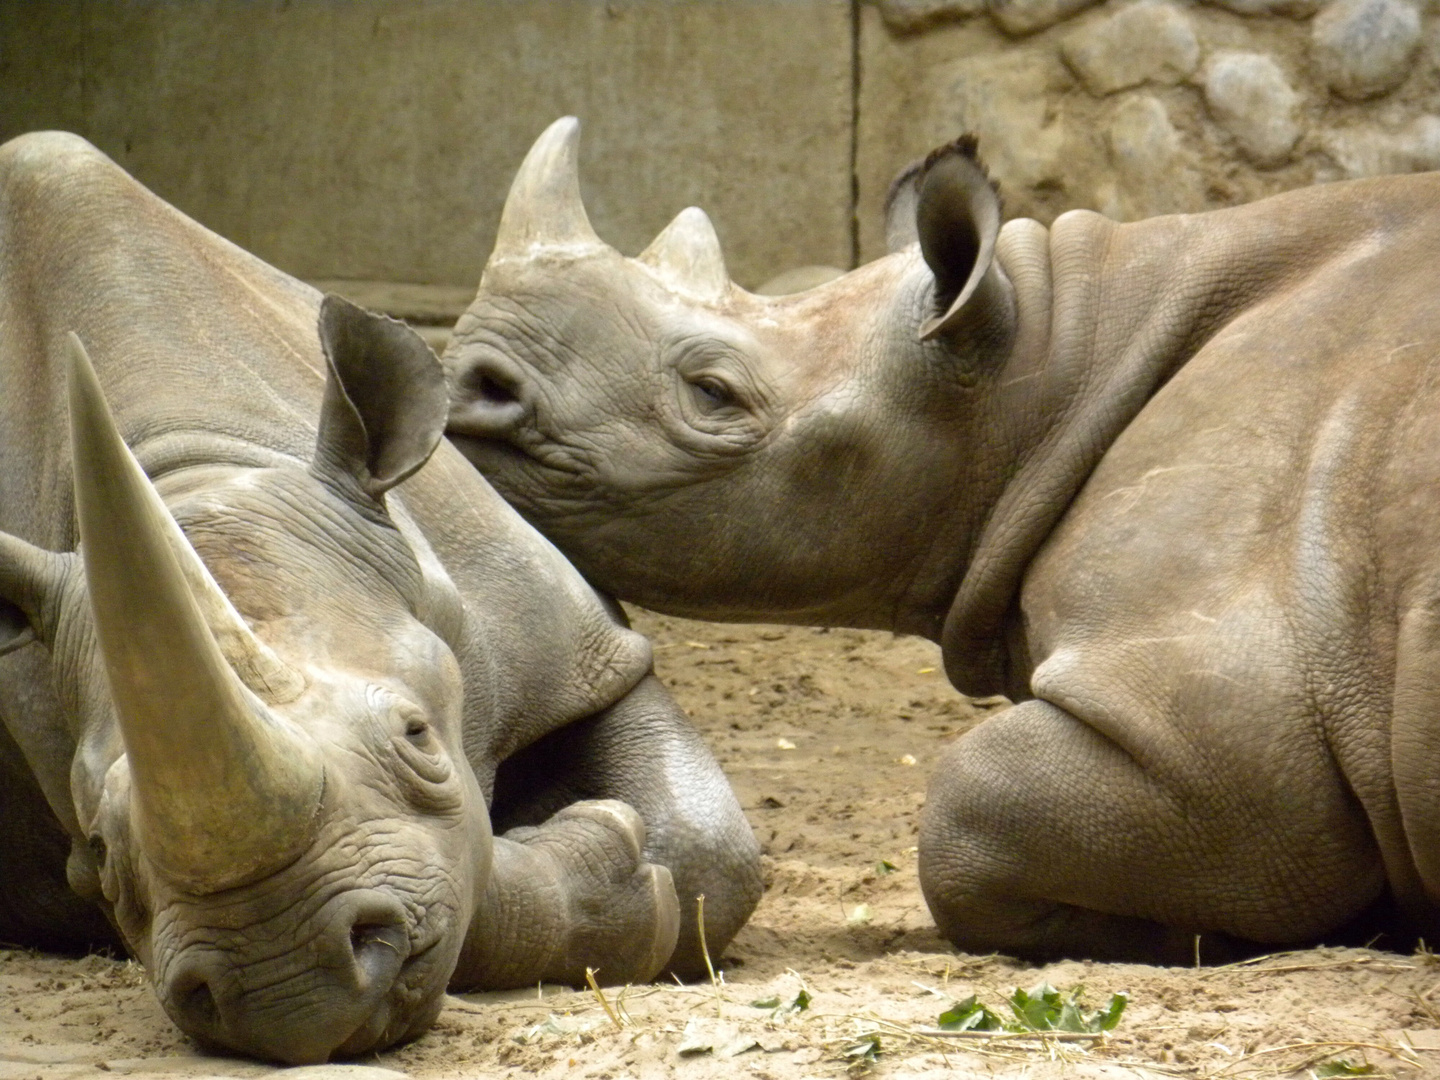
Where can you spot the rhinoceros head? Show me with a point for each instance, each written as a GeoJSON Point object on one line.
{"type": "Point", "coordinates": [281, 819]}
{"type": "Point", "coordinates": [712, 452]}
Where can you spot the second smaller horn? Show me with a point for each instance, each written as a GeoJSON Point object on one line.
{"type": "Point", "coordinates": [687, 256]}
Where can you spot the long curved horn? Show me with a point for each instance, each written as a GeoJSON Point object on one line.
{"type": "Point", "coordinates": [258, 666]}
{"type": "Point", "coordinates": [687, 256]}
{"type": "Point", "coordinates": [223, 791]}
{"type": "Point", "coordinates": [543, 209]}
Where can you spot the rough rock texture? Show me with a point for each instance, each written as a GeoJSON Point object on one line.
{"type": "Point", "coordinates": [911, 16]}
{"type": "Point", "coordinates": [1004, 101]}
{"type": "Point", "coordinates": [1154, 173]}
{"type": "Point", "coordinates": [1151, 40]}
{"type": "Point", "coordinates": [1028, 16]}
{"type": "Point", "coordinates": [1295, 9]}
{"type": "Point", "coordinates": [1365, 151]}
{"type": "Point", "coordinates": [1363, 48]}
{"type": "Point", "coordinates": [1098, 110]}
{"type": "Point", "coordinates": [1248, 95]}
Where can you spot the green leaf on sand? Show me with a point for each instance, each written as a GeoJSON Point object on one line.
{"type": "Point", "coordinates": [1342, 1067]}
{"type": "Point", "coordinates": [1041, 1008]}
{"type": "Point", "coordinates": [970, 1015]}
{"type": "Point", "coordinates": [865, 1049]}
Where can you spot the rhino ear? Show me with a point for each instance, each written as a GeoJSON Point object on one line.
{"type": "Point", "coordinates": [30, 580]}
{"type": "Point", "coordinates": [900, 200]}
{"type": "Point", "coordinates": [957, 219]}
{"type": "Point", "coordinates": [385, 401]}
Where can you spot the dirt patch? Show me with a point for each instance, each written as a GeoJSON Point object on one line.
{"type": "Point", "coordinates": [829, 737]}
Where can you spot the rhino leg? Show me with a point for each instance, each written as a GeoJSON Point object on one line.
{"type": "Point", "coordinates": [1043, 838]}
{"type": "Point", "coordinates": [37, 906]}
{"type": "Point", "coordinates": [645, 752]}
{"type": "Point", "coordinates": [569, 895]}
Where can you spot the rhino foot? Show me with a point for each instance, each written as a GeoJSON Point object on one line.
{"type": "Point", "coordinates": [570, 895]}
{"type": "Point", "coordinates": [624, 917]}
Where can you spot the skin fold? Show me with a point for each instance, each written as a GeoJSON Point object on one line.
{"type": "Point", "coordinates": [1168, 485]}
{"type": "Point", "coordinates": [294, 707]}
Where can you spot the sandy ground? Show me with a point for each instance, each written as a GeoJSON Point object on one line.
{"type": "Point", "coordinates": [829, 737]}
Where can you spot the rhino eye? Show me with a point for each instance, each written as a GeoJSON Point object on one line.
{"type": "Point", "coordinates": [412, 723]}
{"type": "Point", "coordinates": [427, 763]}
{"type": "Point", "coordinates": [712, 394]}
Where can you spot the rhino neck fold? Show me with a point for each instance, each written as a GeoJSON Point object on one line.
{"type": "Point", "coordinates": [1107, 314]}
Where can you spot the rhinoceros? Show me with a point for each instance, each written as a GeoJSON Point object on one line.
{"type": "Point", "coordinates": [303, 658]}
{"type": "Point", "coordinates": [1172, 486]}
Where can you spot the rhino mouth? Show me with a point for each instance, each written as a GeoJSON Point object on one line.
{"type": "Point", "coordinates": [407, 1008]}
{"type": "Point", "coordinates": [406, 1012]}
{"type": "Point", "coordinates": [365, 983]}
{"type": "Point", "coordinates": [497, 459]}
{"type": "Point", "coordinates": [502, 460]}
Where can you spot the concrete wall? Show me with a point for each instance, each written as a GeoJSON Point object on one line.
{"type": "Point", "coordinates": [366, 139]}
{"type": "Point", "coordinates": [376, 140]}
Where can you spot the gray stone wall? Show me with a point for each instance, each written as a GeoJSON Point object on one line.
{"type": "Point", "coordinates": [1142, 107]}
{"type": "Point", "coordinates": [375, 139]}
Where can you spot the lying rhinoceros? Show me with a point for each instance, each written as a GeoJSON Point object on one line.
{"type": "Point", "coordinates": [264, 741]}
{"type": "Point", "coordinates": [1173, 486]}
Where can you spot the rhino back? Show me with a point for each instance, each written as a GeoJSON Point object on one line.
{"type": "Point", "coordinates": [1338, 267]}
{"type": "Point", "coordinates": [1224, 596]}
{"type": "Point", "coordinates": [203, 350]}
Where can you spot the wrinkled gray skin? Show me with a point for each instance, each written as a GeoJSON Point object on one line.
{"type": "Point", "coordinates": [1173, 486]}
{"type": "Point", "coordinates": [304, 869]}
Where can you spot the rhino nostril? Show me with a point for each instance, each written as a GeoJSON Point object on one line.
{"type": "Point", "coordinates": [200, 1003]}
{"type": "Point", "coordinates": [379, 949]}
{"type": "Point", "coordinates": [196, 1001]}
{"type": "Point", "coordinates": [492, 389]}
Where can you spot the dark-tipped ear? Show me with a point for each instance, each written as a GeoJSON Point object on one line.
{"type": "Point", "coordinates": [30, 582]}
{"type": "Point", "coordinates": [957, 218]}
{"type": "Point", "coordinates": [385, 400]}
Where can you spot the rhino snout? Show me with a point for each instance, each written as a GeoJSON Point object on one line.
{"type": "Point", "coordinates": [487, 396]}
{"type": "Point", "coordinates": [337, 1000]}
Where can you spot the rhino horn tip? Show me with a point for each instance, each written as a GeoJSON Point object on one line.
{"type": "Point", "coordinates": [544, 209]}
{"type": "Point", "coordinates": [687, 256]}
